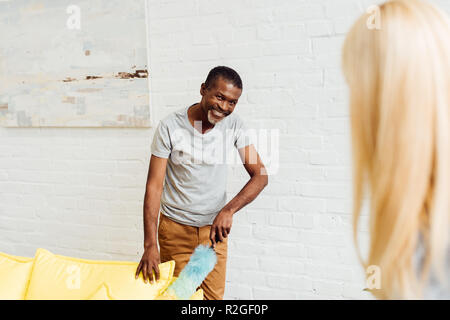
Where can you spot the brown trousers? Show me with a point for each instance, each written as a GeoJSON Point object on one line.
{"type": "Point", "coordinates": [178, 242]}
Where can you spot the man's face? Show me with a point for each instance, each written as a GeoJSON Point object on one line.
{"type": "Point", "coordinates": [219, 100]}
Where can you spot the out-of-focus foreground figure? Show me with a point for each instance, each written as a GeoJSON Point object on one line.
{"type": "Point", "coordinates": [399, 80]}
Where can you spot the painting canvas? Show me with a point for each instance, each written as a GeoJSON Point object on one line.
{"type": "Point", "coordinates": [73, 63]}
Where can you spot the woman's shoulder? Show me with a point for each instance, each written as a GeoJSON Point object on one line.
{"type": "Point", "coordinates": [435, 288]}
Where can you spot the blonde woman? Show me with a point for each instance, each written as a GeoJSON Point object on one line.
{"type": "Point", "coordinates": [399, 81]}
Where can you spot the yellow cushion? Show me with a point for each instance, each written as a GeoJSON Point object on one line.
{"type": "Point", "coordinates": [169, 295]}
{"type": "Point", "coordinates": [102, 293]}
{"type": "Point", "coordinates": [14, 276]}
{"type": "Point", "coordinates": [198, 295]}
{"type": "Point", "coordinates": [60, 278]}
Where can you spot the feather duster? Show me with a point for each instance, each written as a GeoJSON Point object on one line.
{"type": "Point", "coordinates": [200, 264]}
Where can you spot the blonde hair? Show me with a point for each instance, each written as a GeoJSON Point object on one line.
{"type": "Point", "coordinates": [399, 80]}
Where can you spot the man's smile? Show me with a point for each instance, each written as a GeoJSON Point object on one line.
{"type": "Point", "coordinates": [215, 116]}
{"type": "Point", "coordinates": [217, 113]}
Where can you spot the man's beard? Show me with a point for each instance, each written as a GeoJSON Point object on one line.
{"type": "Point", "coordinates": [214, 119]}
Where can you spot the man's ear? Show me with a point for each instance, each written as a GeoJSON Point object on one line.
{"type": "Point", "coordinates": [203, 89]}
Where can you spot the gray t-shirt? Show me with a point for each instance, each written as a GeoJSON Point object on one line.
{"type": "Point", "coordinates": [196, 175]}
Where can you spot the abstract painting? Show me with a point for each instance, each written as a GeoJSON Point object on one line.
{"type": "Point", "coordinates": [73, 63]}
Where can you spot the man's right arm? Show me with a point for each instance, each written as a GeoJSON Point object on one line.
{"type": "Point", "coordinates": [152, 201]}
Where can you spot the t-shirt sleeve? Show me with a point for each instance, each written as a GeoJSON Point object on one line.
{"type": "Point", "coordinates": [161, 146]}
{"type": "Point", "coordinates": [242, 137]}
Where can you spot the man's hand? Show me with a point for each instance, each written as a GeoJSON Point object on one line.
{"type": "Point", "coordinates": [221, 227]}
{"type": "Point", "coordinates": [149, 263]}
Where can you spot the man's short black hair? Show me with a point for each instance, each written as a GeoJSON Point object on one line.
{"type": "Point", "coordinates": [226, 73]}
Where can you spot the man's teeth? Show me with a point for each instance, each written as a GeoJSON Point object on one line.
{"type": "Point", "coordinates": [217, 114]}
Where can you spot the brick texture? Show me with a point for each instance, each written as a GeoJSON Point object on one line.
{"type": "Point", "coordinates": [79, 192]}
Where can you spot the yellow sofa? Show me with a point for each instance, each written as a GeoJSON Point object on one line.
{"type": "Point", "coordinates": [48, 276]}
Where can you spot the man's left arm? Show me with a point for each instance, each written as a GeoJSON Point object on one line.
{"type": "Point", "coordinates": [221, 226]}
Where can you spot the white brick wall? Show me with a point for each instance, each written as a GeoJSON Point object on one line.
{"type": "Point", "coordinates": [79, 192]}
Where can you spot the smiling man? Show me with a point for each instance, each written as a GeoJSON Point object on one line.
{"type": "Point", "coordinates": [187, 177]}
